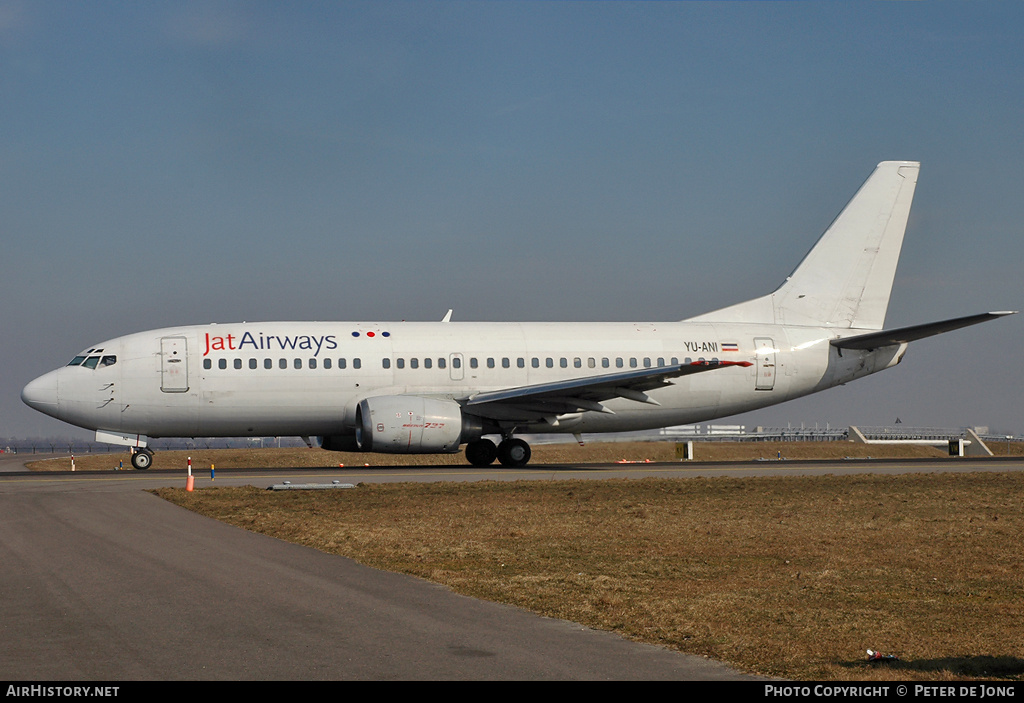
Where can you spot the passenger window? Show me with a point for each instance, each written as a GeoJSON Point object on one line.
{"type": "Point", "coordinates": [282, 363]}
{"type": "Point", "coordinates": [632, 362]}
{"type": "Point", "coordinates": [385, 363]}
{"type": "Point", "coordinates": [490, 362]}
{"type": "Point", "coordinates": [428, 362]}
{"type": "Point", "coordinates": [400, 363]}
{"type": "Point", "coordinates": [298, 363]}
{"type": "Point", "coordinates": [647, 362]}
{"type": "Point", "coordinates": [504, 362]}
{"type": "Point", "coordinates": [252, 363]}
{"type": "Point", "coordinates": [238, 363]}
{"type": "Point", "coordinates": [549, 362]}
{"type": "Point", "coordinates": [473, 362]}
{"type": "Point", "coordinates": [356, 363]}
{"type": "Point", "coordinates": [605, 362]}
{"type": "Point", "coordinates": [207, 364]}
{"type": "Point", "coordinates": [591, 362]}
{"type": "Point", "coordinates": [521, 362]}
{"type": "Point", "coordinates": [618, 362]}
{"type": "Point", "coordinates": [414, 363]}
{"type": "Point", "coordinates": [577, 363]}
{"type": "Point", "coordinates": [222, 363]}
{"type": "Point", "coordinates": [341, 363]}
{"type": "Point", "coordinates": [442, 363]}
{"type": "Point", "coordinates": [456, 362]}
{"type": "Point", "coordinates": [535, 362]}
{"type": "Point", "coordinates": [312, 363]}
{"type": "Point", "coordinates": [268, 363]}
{"type": "Point", "coordinates": [327, 363]}
{"type": "Point", "coordinates": [563, 362]}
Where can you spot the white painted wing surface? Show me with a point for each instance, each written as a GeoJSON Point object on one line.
{"type": "Point", "coordinates": [582, 394]}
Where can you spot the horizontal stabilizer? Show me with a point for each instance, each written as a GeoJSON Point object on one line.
{"type": "Point", "coordinates": [885, 338]}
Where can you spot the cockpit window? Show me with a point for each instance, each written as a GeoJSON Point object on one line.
{"type": "Point", "coordinates": [91, 362]}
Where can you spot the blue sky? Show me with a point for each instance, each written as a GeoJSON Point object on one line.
{"type": "Point", "coordinates": [167, 163]}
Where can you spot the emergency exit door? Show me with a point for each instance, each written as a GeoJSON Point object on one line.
{"type": "Point", "coordinates": [455, 370]}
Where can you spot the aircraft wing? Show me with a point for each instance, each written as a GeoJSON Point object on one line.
{"type": "Point", "coordinates": [581, 394]}
{"type": "Point", "coordinates": [885, 338]}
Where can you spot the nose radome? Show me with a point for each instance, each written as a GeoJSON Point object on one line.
{"type": "Point", "coordinates": [41, 394]}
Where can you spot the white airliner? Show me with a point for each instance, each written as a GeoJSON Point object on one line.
{"type": "Point", "coordinates": [430, 387]}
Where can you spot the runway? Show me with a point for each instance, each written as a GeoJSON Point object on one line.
{"type": "Point", "coordinates": [103, 581]}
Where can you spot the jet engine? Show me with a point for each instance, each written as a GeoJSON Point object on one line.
{"type": "Point", "coordinates": [408, 424]}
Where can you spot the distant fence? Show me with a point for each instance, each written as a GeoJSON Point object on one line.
{"type": "Point", "coordinates": [938, 434]}
{"type": "Point", "coordinates": [900, 433]}
{"type": "Point", "coordinates": [718, 433]}
{"type": "Point", "coordinates": [82, 447]}
{"type": "Point", "coordinates": [701, 433]}
{"type": "Point", "coordinates": [739, 433]}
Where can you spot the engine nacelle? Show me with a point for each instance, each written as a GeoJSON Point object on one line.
{"type": "Point", "coordinates": [408, 424]}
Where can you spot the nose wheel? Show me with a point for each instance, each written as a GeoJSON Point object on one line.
{"type": "Point", "coordinates": [142, 459]}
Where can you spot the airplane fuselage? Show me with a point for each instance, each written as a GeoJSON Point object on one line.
{"type": "Point", "coordinates": [307, 378]}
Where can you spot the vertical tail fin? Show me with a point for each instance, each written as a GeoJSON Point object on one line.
{"type": "Point", "coordinates": [846, 278]}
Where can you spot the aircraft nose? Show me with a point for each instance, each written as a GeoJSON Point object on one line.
{"type": "Point", "coordinates": [41, 394]}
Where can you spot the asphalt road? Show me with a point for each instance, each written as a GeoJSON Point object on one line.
{"type": "Point", "coordinates": [103, 581]}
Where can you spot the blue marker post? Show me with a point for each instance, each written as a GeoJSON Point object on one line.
{"type": "Point", "coordinates": [211, 472]}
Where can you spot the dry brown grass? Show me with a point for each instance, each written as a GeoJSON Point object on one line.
{"type": "Point", "coordinates": [593, 452]}
{"type": "Point", "coordinates": [792, 577]}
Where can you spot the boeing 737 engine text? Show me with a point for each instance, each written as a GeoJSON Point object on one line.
{"type": "Point", "coordinates": [431, 387]}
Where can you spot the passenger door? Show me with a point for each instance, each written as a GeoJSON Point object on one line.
{"type": "Point", "coordinates": [173, 364]}
{"type": "Point", "coordinates": [765, 365]}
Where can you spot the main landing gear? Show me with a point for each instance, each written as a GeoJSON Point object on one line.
{"type": "Point", "coordinates": [142, 458]}
{"type": "Point", "coordinates": [512, 452]}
